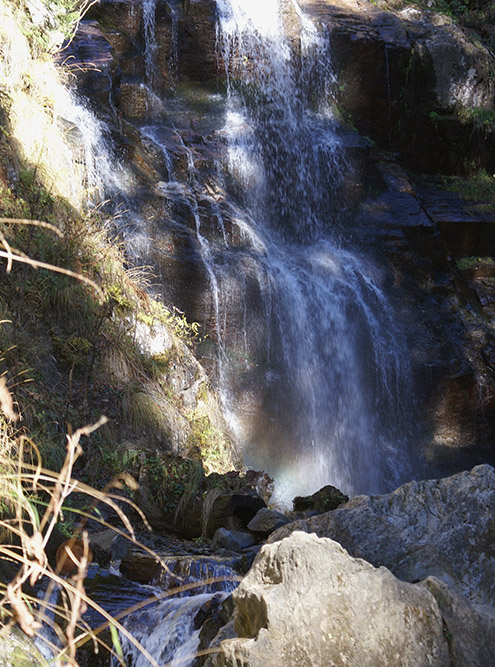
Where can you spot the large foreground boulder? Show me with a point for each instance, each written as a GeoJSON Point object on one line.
{"type": "Point", "coordinates": [307, 602]}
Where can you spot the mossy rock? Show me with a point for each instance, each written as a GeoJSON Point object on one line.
{"type": "Point", "coordinates": [18, 650]}
{"type": "Point", "coordinates": [177, 496]}
{"type": "Point", "coordinates": [326, 499]}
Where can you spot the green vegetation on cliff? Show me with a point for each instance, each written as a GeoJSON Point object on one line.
{"type": "Point", "coordinates": [79, 334]}
{"type": "Point", "coordinates": [457, 8]}
{"type": "Point", "coordinates": [71, 351]}
{"type": "Point", "coordinates": [478, 15]}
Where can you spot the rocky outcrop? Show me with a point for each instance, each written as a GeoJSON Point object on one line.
{"type": "Point", "coordinates": [401, 579]}
{"type": "Point", "coordinates": [170, 562]}
{"type": "Point", "coordinates": [326, 499]}
{"type": "Point", "coordinates": [443, 528]}
{"type": "Point", "coordinates": [177, 496]}
{"type": "Point", "coordinates": [98, 70]}
{"type": "Point", "coordinates": [466, 626]}
{"type": "Point", "coordinates": [427, 79]}
{"type": "Point", "coordinates": [420, 230]}
{"type": "Point", "coordinates": [233, 540]}
{"type": "Point", "coordinates": [307, 602]}
{"type": "Point", "coordinates": [185, 39]}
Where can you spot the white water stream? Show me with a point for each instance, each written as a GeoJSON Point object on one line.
{"type": "Point", "coordinates": [169, 629]}
{"type": "Point", "coordinates": [149, 9]}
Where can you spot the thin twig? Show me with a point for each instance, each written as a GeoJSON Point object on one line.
{"type": "Point", "coordinates": [51, 267]}
{"type": "Point", "coordinates": [34, 223]}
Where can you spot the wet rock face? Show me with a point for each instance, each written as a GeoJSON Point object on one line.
{"type": "Point", "coordinates": [425, 73]}
{"type": "Point", "coordinates": [419, 229]}
{"type": "Point", "coordinates": [185, 38]}
{"type": "Point", "coordinates": [133, 101]}
{"type": "Point", "coordinates": [177, 562]}
{"type": "Point", "coordinates": [197, 41]}
{"type": "Point", "coordinates": [305, 601]}
{"type": "Point", "coordinates": [91, 58]}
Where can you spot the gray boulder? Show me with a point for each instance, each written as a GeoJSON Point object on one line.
{"type": "Point", "coordinates": [469, 629]}
{"type": "Point", "coordinates": [18, 650]}
{"type": "Point", "coordinates": [443, 528]}
{"type": "Point", "coordinates": [234, 540]}
{"type": "Point", "coordinates": [306, 602]}
{"type": "Point", "coordinates": [266, 521]}
{"type": "Point", "coordinates": [326, 499]}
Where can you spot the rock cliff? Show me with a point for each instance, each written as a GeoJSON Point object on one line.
{"type": "Point", "coordinates": [416, 85]}
{"type": "Point", "coordinates": [428, 81]}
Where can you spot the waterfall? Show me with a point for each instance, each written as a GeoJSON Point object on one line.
{"type": "Point", "coordinates": [149, 9]}
{"type": "Point", "coordinates": [312, 365]}
{"type": "Point", "coordinates": [311, 361]}
{"type": "Point", "coordinates": [88, 145]}
{"type": "Point", "coordinates": [330, 368]}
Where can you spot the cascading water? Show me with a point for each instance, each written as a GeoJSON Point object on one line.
{"type": "Point", "coordinates": [149, 9]}
{"type": "Point", "coordinates": [332, 371]}
{"type": "Point", "coordinates": [179, 618]}
{"type": "Point", "coordinates": [310, 360]}
{"type": "Point", "coordinates": [88, 146]}
{"type": "Point", "coordinates": [173, 619]}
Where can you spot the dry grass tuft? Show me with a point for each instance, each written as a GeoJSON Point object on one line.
{"type": "Point", "coordinates": [142, 412]}
{"type": "Point", "coordinates": [21, 483]}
